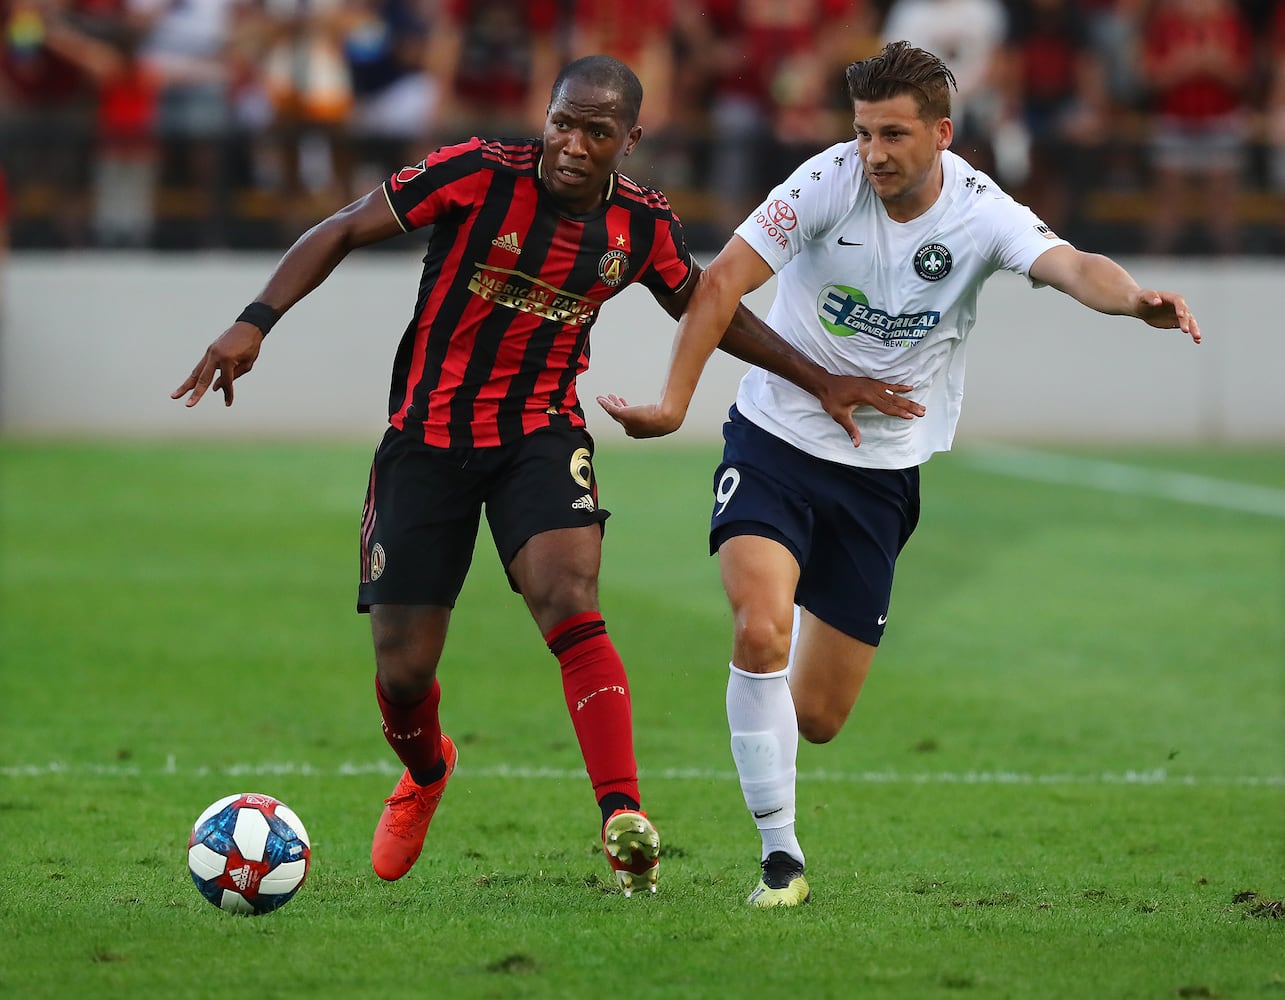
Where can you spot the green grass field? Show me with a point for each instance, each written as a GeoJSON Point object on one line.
{"type": "Point", "coordinates": [1068, 764]}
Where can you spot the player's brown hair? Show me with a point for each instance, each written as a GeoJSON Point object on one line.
{"type": "Point", "coordinates": [903, 69]}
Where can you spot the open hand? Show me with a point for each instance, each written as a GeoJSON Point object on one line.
{"type": "Point", "coordinates": [841, 394]}
{"type": "Point", "coordinates": [1166, 311]}
{"type": "Point", "coordinates": [231, 356]}
{"type": "Point", "coordinates": [646, 420]}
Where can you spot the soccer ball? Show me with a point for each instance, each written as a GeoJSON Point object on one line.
{"type": "Point", "coordinates": [248, 853]}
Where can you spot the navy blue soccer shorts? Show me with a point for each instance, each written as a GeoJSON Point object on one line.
{"type": "Point", "coordinates": [844, 525]}
{"type": "Point", "coordinates": [423, 508]}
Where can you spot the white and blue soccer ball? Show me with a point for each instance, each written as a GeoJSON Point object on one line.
{"type": "Point", "coordinates": [248, 853]}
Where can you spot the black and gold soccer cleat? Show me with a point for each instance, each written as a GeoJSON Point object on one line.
{"type": "Point", "coordinates": [782, 883]}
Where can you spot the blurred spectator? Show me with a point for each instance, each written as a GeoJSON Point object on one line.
{"type": "Point", "coordinates": [125, 152]}
{"type": "Point", "coordinates": [969, 36]}
{"type": "Point", "coordinates": [774, 75]}
{"type": "Point", "coordinates": [237, 122]}
{"type": "Point", "coordinates": [50, 66]}
{"type": "Point", "coordinates": [1274, 116]}
{"type": "Point", "coordinates": [689, 93]}
{"type": "Point", "coordinates": [644, 42]}
{"type": "Point", "coordinates": [1196, 63]}
{"type": "Point", "coordinates": [1276, 101]}
{"type": "Point", "coordinates": [641, 41]}
{"type": "Point", "coordinates": [385, 44]}
{"type": "Point", "coordinates": [4, 228]}
{"type": "Point", "coordinates": [4, 246]}
{"type": "Point", "coordinates": [1057, 98]}
{"type": "Point", "coordinates": [306, 78]}
{"type": "Point", "coordinates": [810, 105]}
{"type": "Point", "coordinates": [1115, 36]}
{"type": "Point", "coordinates": [1115, 32]}
{"type": "Point", "coordinates": [496, 61]}
{"type": "Point", "coordinates": [184, 50]}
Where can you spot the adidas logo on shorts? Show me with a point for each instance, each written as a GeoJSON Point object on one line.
{"type": "Point", "coordinates": [584, 503]}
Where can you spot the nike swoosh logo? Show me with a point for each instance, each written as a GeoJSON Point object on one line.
{"type": "Point", "coordinates": [845, 243]}
{"type": "Point", "coordinates": [770, 812]}
{"type": "Point", "coordinates": [883, 619]}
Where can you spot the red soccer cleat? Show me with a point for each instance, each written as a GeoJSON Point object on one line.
{"type": "Point", "coordinates": [399, 836]}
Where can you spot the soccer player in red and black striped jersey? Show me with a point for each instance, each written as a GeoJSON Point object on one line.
{"type": "Point", "coordinates": [530, 237]}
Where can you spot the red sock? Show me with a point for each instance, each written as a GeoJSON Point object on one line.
{"type": "Point", "coordinates": [597, 692]}
{"type": "Point", "coordinates": [414, 731]}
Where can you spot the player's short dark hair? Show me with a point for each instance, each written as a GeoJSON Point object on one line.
{"type": "Point", "coordinates": [903, 69]}
{"type": "Point", "coordinates": [608, 74]}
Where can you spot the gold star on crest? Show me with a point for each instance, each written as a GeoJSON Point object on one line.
{"type": "Point", "coordinates": [620, 240]}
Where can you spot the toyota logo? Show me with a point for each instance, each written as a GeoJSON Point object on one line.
{"type": "Point", "coordinates": [781, 214]}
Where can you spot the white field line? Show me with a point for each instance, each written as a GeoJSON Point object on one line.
{"type": "Point", "coordinates": [1134, 480]}
{"type": "Point", "coordinates": [387, 768]}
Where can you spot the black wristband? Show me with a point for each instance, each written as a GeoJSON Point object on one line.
{"type": "Point", "coordinates": [261, 315]}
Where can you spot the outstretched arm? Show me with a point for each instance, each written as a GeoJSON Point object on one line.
{"type": "Point", "coordinates": [750, 339]}
{"type": "Point", "coordinates": [305, 266]}
{"type": "Point", "coordinates": [1100, 283]}
{"type": "Point", "coordinates": [703, 316]}
{"type": "Point", "coordinates": [711, 315]}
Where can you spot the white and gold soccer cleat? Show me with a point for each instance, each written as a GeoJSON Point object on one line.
{"type": "Point", "coordinates": [632, 846]}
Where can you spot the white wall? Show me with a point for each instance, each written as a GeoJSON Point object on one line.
{"type": "Point", "coordinates": [92, 344]}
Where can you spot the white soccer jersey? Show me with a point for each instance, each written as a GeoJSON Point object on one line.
{"type": "Point", "coordinates": [861, 294]}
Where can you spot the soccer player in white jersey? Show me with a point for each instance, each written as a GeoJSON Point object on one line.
{"type": "Point", "coordinates": [880, 246]}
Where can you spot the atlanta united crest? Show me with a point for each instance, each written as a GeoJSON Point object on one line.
{"type": "Point", "coordinates": [933, 261]}
{"type": "Point", "coordinates": [377, 559]}
{"type": "Point", "coordinates": [613, 267]}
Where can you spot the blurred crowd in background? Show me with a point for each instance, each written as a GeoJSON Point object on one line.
{"type": "Point", "coordinates": [1151, 126]}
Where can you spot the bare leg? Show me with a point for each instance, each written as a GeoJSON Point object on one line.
{"type": "Point", "coordinates": [829, 671]}
{"type": "Point", "coordinates": [408, 644]}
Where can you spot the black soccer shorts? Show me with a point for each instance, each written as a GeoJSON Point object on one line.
{"type": "Point", "coordinates": [844, 525]}
{"type": "Point", "coordinates": [423, 506]}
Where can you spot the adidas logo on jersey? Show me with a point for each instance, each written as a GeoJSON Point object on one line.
{"type": "Point", "coordinates": [584, 503]}
{"type": "Point", "coordinates": [508, 242]}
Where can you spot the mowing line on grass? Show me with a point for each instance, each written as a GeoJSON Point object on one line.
{"type": "Point", "coordinates": [1134, 480]}
{"type": "Point", "coordinates": [1158, 776]}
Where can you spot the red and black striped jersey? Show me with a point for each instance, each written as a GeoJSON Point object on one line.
{"type": "Point", "coordinates": [511, 286]}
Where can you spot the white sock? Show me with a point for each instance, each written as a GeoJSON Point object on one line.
{"type": "Point", "coordinates": [765, 747]}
